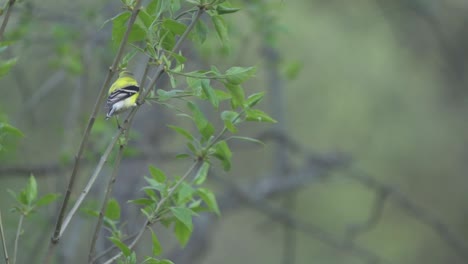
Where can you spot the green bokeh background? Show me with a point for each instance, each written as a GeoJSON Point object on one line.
{"type": "Point", "coordinates": [374, 82]}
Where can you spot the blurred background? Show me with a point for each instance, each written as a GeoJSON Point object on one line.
{"type": "Point", "coordinates": [367, 163]}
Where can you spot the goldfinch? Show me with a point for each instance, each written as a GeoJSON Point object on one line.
{"type": "Point", "coordinates": [123, 94]}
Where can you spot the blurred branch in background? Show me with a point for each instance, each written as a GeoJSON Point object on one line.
{"type": "Point", "coordinates": [383, 191]}
{"type": "Point", "coordinates": [9, 7]}
{"type": "Point", "coordinates": [317, 167]}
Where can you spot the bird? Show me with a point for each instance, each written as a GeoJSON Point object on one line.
{"type": "Point", "coordinates": [123, 94]}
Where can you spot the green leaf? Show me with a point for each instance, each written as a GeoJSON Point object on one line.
{"type": "Point", "coordinates": [255, 98]}
{"type": "Point", "coordinates": [184, 193]}
{"type": "Point", "coordinates": [5, 66]}
{"type": "Point", "coordinates": [125, 250]}
{"type": "Point", "coordinates": [202, 173]}
{"type": "Point", "coordinates": [119, 27]}
{"type": "Point", "coordinates": [157, 7]}
{"type": "Point", "coordinates": [154, 185]}
{"type": "Point", "coordinates": [47, 199]}
{"type": "Point", "coordinates": [175, 5]}
{"type": "Point", "coordinates": [9, 129]}
{"type": "Point", "coordinates": [182, 156]}
{"type": "Point", "coordinates": [132, 258]}
{"type": "Point", "coordinates": [31, 190]}
{"type": "Point", "coordinates": [221, 29]}
{"type": "Point", "coordinates": [166, 95]}
{"type": "Point", "coordinates": [167, 39]}
{"type": "Point", "coordinates": [166, 261]}
{"type": "Point", "coordinates": [238, 75]}
{"type": "Point", "coordinates": [174, 26]}
{"type": "Point", "coordinates": [157, 250]}
{"type": "Point", "coordinates": [194, 2]}
{"type": "Point", "coordinates": [293, 69]}
{"type": "Point", "coordinates": [258, 116]}
{"type": "Point", "coordinates": [144, 19]}
{"type": "Point", "coordinates": [157, 261]}
{"type": "Point", "coordinates": [205, 128]}
{"type": "Point", "coordinates": [191, 147]}
{"type": "Point", "coordinates": [222, 95]}
{"type": "Point", "coordinates": [113, 210]}
{"type": "Point", "coordinates": [184, 215]}
{"type": "Point", "coordinates": [153, 7]}
{"type": "Point", "coordinates": [229, 118]}
{"type": "Point", "coordinates": [248, 139]}
{"type": "Point", "coordinates": [182, 233]}
{"type": "Point", "coordinates": [224, 9]}
{"type": "Point", "coordinates": [90, 212]}
{"type": "Point", "coordinates": [182, 131]}
{"type": "Point", "coordinates": [223, 153]}
{"type": "Point", "coordinates": [210, 93]}
{"type": "Point", "coordinates": [209, 198]}
{"type": "Point", "coordinates": [23, 197]}
{"type": "Point", "coordinates": [195, 84]}
{"type": "Point", "coordinates": [200, 31]}
{"type": "Point", "coordinates": [157, 174]}
{"type": "Point", "coordinates": [142, 201]}
{"type": "Point", "coordinates": [237, 94]}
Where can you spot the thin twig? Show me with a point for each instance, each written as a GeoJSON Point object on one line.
{"type": "Point", "coordinates": [372, 220]}
{"type": "Point", "coordinates": [145, 73]}
{"type": "Point", "coordinates": [279, 215]}
{"type": "Point", "coordinates": [90, 183]}
{"type": "Point", "coordinates": [454, 241]}
{"type": "Point", "coordinates": [18, 233]}
{"type": "Point", "coordinates": [160, 69]}
{"type": "Point", "coordinates": [58, 227]}
{"type": "Point", "coordinates": [110, 185]}
{"type": "Point", "coordinates": [6, 18]}
{"type": "Point", "coordinates": [107, 251]}
{"type": "Point", "coordinates": [2, 235]}
{"type": "Point", "coordinates": [148, 222]}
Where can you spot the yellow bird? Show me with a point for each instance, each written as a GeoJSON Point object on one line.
{"type": "Point", "coordinates": [123, 94]}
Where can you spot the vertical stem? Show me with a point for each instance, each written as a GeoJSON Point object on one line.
{"type": "Point", "coordinates": [6, 18]}
{"type": "Point", "coordinates": [2, 235]}
{"type": "Point", "coordinates": [143, 95]}
{"type": "Point", "coordinates": [90, 183]}
{"type": "Point", "coordinates": [18, 233]}
{"type": "Point", "coordinates": [110, 185]}
{"type": "Point", "coordinates": [148, 222]}
{"type": "Point", "coordinates": [280, 158]}
{"type": "Point", "coordinates": [58, 227]}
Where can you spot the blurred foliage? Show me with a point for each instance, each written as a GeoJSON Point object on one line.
{"type": "Point", "coordinates": [365, 78]}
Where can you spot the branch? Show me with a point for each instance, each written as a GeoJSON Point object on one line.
{"type": "Point", "coordinates": [386, 192]}
{"type": "Point", "coordinates": [2, 235]}
{"type": "Point", "coordinates": [110, 249]}
{"type": "Point", "coordinates": [418, 212]}
{"type": "Point", "coordinates": [264, 188]}
{"type": "Point", "coordinates": [260, 204]}
{"type": "Point", "coordinates": [84, 140]}
{"type": "Point", "coordinates": [18, 233]}
{"type": "Point", "coordinates": [55, 168]}
{"type": "Point", "coordinates": [158, 74]}
{"type": "Point", "coordinates": [148, 222]}
{"type": "Point", "coordinates": [110, 185]}
{"type": "Point", "coordinates": [90, 183]}
{"type": "Point", "coordinates": [6, 18]}
{"type": "Point", "coordinates": [372, 220]}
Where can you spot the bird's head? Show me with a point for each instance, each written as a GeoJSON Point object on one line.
{"type": "Point", "coordinates": [125, 73]}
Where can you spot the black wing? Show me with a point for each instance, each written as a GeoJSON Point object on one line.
{"type": "Point", "coordinates": [121, 94]}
